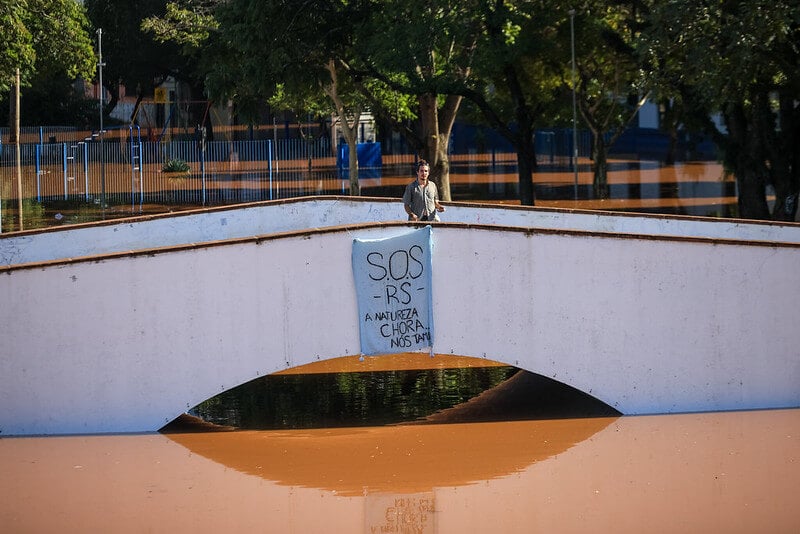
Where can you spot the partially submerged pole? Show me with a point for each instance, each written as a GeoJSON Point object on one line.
{"type": "Point", "coordinates": [18, 151]}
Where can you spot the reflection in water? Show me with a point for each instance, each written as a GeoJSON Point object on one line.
{"type": "Point", "coordinates": [348, 399]}
{"type": "Point", "coordinates": [394, 459]}
{"type": "Point", "coordinates": [712, 472]}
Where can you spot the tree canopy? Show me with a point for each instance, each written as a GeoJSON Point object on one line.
{"type": "Point", "coordinates": [413, 62]}
{"type": "Point", "coordinates": [41, 35]}
{"type": "Point", "coordinates": [48, 43]}
{"type": "Point", "coordinates": [132, 57]}
{"type": "Point", "coordinates": [740, 59]}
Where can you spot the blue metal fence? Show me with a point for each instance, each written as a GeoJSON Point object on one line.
{"type": "Point", "coordinates": [129, 170]}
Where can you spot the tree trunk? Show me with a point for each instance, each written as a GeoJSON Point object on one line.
{"type": "Point", "coordinates": [349, 131]}
{"type": "Point", "coordinates": [526, 151]}
{"type": "Point", "coordinates": [669, 123]}
{"type": "Point", "coordinates": [447, 117]}
{"type": "Point", "coordinates": [785, 203]}
{"type": "Point", "coordinates": [352, 165]}
{"type": "Point", "coordinates": [435, 143]}
{"type": "Point", "coordinates": [600, 166]}
{"type": "Point", "coordinates": [752, 199]}
{"type": "Point", "coordinates": [672, 146]}
{"type": "Point", "coordinates": [784, 158]}
{"type": "Point", "coordinates": [134, 118]}
{"type": "Point", "coordinates": [113, 91]}
{"type": "Point", "coordinates": [526, 158]}
{"type": "Point", "coordinates": [745, 157]}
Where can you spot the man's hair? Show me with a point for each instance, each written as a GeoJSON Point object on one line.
{"type": "Point", "coordinates": [422, 163]}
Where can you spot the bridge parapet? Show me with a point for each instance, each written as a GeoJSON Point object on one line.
{"type": "Point", "coordinates": [246, 220]}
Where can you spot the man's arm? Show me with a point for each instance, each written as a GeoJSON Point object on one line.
{"type": "Point", "coordinates": [436, 203]}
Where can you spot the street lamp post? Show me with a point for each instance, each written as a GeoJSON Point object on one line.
{"type": "Point", "coordinates": [100, 66]}
{"type": "Point", "coordinates": [574, 103]}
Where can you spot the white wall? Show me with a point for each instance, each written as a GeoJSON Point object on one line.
{"type": "Point", "coordinates": [647, 325]}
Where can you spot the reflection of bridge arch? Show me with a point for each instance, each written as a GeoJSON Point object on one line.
{"type": "Point", "coordinates": [646, 324]}
{"type": "Point", "coordinates": [434, 463]}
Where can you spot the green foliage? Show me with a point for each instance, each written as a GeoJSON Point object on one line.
{"type": "Point", "coordinates": [278, 51]}
{"type": "Point", "coordinates": [44, 36]}
{"type": "Point", "coordinates": [132, 56]}
{"type": "Point", "coordinates": [725, 49]}
{"type": "Point", "coordinates": [17, 50]}
{"type": "Point", "coordinates": [190, 23]}
{"type": "Point", "coordinates": [511, 58]}
{"type": "Point", "coordinates": [739, 59]}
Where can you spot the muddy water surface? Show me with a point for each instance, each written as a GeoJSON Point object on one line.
{"type": "Point", "coordinates": [713, 472]}
{"type": "Point", "coordinates": [689, 188]}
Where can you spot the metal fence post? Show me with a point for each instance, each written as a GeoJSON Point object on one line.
{"type": "Point", "coordinates": [86, 171]}
{"type": "Point", "coordinates": [65, 167]}
{"type": "Point", "coordinates": [203, 164]}
{"type": "Point", "coordinates": [269, 156]}
{"type": "Point", "coordinates": [38, 167]}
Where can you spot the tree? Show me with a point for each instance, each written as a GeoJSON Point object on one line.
{"type": "Point", "coordinates": [421, 49]}
{"type": "Point", "coordinates": [610, 86]}
{"type": "Point", "coordinates": [298, 64]}
{"type": "Point", "coordinates": [45, 37]}
{"type": "Point", "coordinates": [44, 34]}
{"type": "Point", "coordinates": [132, 56]}
{"type": "Point", "coordinates": [290, 67]}
{"type": "Point", "coordinates": [739, 59]}
{"type": "Point", "coordinates": [515, 78]}
{"type": "Point", "coordinates": [356, 54]}
{"type": "Point", "coordinates": [349, 118]}
{"type": "Point", "coordinates": [17, 51]}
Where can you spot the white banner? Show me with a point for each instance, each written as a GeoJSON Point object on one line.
{"type": "Point", "coordinates": [393, 288]}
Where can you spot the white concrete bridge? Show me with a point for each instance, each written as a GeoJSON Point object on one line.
{"type": "Point", "coordinates": [122, 326]}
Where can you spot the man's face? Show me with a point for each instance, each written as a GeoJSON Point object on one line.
{"type": "Point", "coordinates": [422, 174]}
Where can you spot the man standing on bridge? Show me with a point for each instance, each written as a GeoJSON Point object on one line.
{"type": "Point", "coordinates": [421, 198]}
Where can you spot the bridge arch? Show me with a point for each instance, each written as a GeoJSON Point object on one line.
{"type": "Point", "coordinates": [127, 341]}
{"type": "Point", "coordinates": [489, 391]}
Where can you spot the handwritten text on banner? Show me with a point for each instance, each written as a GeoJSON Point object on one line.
{"type": "Point", "coordinates": [393, 288]}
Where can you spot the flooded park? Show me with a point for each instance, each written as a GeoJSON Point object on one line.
{"type": "Point", "coordinates": [699, 188]}
{"type": "Point", "coordinates": [402, 443]}
{"type": "Point", "coordinates": [226, 306]}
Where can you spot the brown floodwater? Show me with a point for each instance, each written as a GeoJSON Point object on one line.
{"type": "Point", "coordinates": [687, 188]}
{"type": "Point", "coordinates": [708, 472]}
